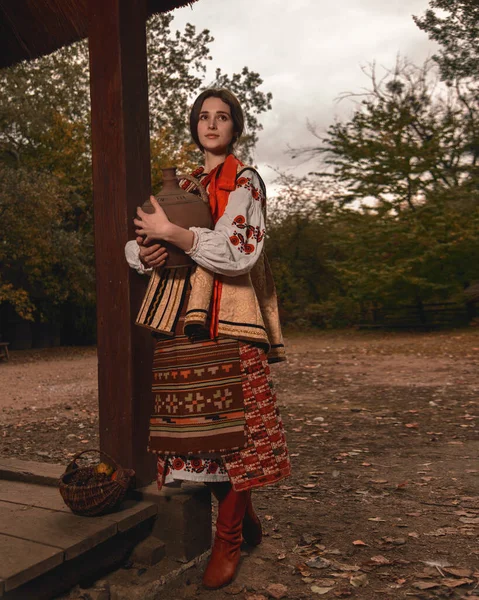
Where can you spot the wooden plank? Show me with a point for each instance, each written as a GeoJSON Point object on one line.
{"type": "Point", "coordinates": [30, 471]}
{"type": "Point", "coordinates": [129, 514]}
{"type": "Point", "coordinates": [22, 560]}
{"type": "Point", "coordinates": [70, 533]}
{"type": "Point", "coordinates": [121, 181]}
{"type": "Point", "coordinates": [30, 494]}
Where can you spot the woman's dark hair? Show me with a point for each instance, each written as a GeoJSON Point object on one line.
{"type": "Point", "coordinates": [236, 114]}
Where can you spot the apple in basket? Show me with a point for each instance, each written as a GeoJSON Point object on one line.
{"type": "Point", "coordinates": [104, 469]}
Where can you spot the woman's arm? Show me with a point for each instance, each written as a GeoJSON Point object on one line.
{"type": "Point", "coordinates": [236, 242]}
{"type": "Point", "coordinates": [144, 258]}
{"type": "Point", "coordinates": [156, 226]}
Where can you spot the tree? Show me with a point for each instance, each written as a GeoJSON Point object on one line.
{"type": "Point", "coordinates": [42, 262]}
{"type": "Point", "coordinates": [45, 155]}
{"type": "Point", "coordinates": [454, 24]}
{"type": "Point", "coordinates": [300, 251]}
{"type": "Point", "coordinates": [407, 140]}
{"type": "Point", "coordinates": [405, 226]}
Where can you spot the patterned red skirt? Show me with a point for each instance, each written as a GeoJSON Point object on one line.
{"type": "Point", "coordinates": [264, 459]}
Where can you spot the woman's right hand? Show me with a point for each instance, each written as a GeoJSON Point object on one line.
{"type": "Point", "coordinates": [152, 255]}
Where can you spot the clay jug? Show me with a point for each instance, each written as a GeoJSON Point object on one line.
{"type": "Point", "coordinates": [182, 208]}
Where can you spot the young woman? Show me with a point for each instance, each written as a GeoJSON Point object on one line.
{"type": "Point", "coordinates": [215, 418]}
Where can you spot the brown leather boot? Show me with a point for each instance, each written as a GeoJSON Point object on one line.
{"type": "Point", "coordinates": [226, 551]}
{"type": "Point", "coordinates": [252, 530]}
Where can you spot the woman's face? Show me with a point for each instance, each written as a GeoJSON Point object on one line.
{"type": "Point", "coordinates": [215, 126]}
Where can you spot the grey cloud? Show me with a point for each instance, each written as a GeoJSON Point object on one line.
{"type": "Point", "coordinates": [308, 52]}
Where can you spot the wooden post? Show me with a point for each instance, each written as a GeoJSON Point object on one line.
{"type": "Point", "coordinates": [121, 181]}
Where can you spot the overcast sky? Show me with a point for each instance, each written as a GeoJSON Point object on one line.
{"type": "Point", "coordinates": [307, 52]}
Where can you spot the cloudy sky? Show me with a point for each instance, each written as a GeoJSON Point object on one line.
{"type": "Point", "coordinates": [307, 52]}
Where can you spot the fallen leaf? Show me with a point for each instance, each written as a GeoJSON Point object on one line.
{"type": "Point", "coordinates": [425, 585]}
{"type": "Point", "coordinates": [377, 480]}
{"type": "Point", "coordinates": [469, 521]}
{"type": "Point", "coordinates": [318, 563]}
{"type": "Point", "coordinates": [325, 582]}
{"type": "Point", "coordinates": [307, 539]}
{"type": "Point", "coordinates": [255, 597]}
{"type": "Point", "coordinates": [281, 557]}
{"type": "Point", "coordinates": [277, 590]}
{"type": "Point", "coordinates": [464, 513]}
{"type": "Point", "coordinates": [359, 580]}
{"type": "Point", "coordinates": [349, 568]}
{"type": "Point", "coordinates": [458, 572]}
{"type": "Point", "coordinates": [443, 531]}
{"type": "Point", "coordinates": [454, 583]}
{"type": "Point", "coordinates": [413, 534]}
{"type": "Point", "coordinates": [320, 590]}
{"type": "Point", "coordinates": [268, 517]}
{"type": "Point", "coordinates": [411, 425]}
{"type": "Point", "coordinates": [380, 560]}
{"type": "Point", "coordinates": [303, 570]}
{"type": "Point", "coordinates": [377, 520]}
{"type": "Point", "coordinates": [234, 590]}
{"type": "Point", "coordinates": [343, 592]}
{"type": "Point", "coordinates": [359, 543]}
{"type": "Point", "coordinates": [399, 541]}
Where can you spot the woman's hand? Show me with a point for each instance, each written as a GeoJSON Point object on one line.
{"type": "Point", "coordinates": [154, 226]}
{"type": "Point", "coordinates": [154, 255]}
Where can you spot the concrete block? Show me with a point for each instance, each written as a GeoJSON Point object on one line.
{"type": "Point", "coordinates": [184, 519]}
{"type": "Point", "coordinates": [149, 552]}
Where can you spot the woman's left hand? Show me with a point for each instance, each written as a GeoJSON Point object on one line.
{"type": "Point", "coordinates": [152, 226]}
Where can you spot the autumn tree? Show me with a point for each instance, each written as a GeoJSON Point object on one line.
{"type": "Point", "coordinates": [406, 213]}
{"type": "Point", "coordinates": [454, 25]}
{"type": "Point", "coordinates": [402, 218]}
{"type": "Point", "coordinates": [45, 155]}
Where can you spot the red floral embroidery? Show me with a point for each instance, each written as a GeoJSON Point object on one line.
{"type": "Point", "coordinates": [178, 464]}
{"type": "Point", "coordinates": [251, 232]}
{"type": "Point", "coordinates": [213, 467]}
{"type": "Point", "coordinates": [197, 464]}
{"type": "Point", "coordinates": [237, 239]}
{"type": "Point", "coordinates": [248, 184]}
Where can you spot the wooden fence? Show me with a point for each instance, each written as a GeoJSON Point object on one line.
{"type": "Point", "coordinates": [419, 316]}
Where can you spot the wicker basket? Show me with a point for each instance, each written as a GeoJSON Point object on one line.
{"type": "Point", "coordinates": [96, 498]}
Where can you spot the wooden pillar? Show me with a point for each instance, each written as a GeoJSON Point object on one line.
{"type": "Point", "coordinates": [121, 181]}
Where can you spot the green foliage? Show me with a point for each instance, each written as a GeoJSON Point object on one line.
{"type": "Point", "coordinates": [400, 219]}
{"type": "Point", "coordinates": [408, 139]}
{"type": "Point", "coordinates": [41, 259]}
{"type": "Point", "coordinates": [454, 24]}
{"type": "Point", "coordinates": [46, 209]}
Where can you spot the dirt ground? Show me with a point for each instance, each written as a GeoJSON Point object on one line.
{"type": "Point", "coordinates": [383, 503]}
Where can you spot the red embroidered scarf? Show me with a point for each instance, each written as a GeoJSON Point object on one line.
{"type": "Point", "coordinates": [220, 182]}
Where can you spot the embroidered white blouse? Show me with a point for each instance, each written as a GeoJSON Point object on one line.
{"type": "Point", "coordinates": [235, 244]}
